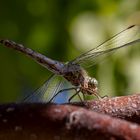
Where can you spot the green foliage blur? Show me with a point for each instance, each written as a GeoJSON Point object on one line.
{"type": "Point", "coordinates": [62, 30]}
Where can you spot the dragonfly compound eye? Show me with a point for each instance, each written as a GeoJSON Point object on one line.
{"type": "Point", "coordinates": [94, 82]}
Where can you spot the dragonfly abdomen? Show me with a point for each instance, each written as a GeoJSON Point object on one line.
{"type": "Point", "coordinates": [46, 62]}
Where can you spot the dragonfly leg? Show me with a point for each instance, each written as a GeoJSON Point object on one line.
{"type": "Point", "coordinates": [98, 96]}
{"type": "Point", "coordinates": [73, 88]}
{"type": "Point", "coordinates": [80, 97]}
{"type": "Point", "coordinates": [105, 96]}
{"type": "Point", "coordinates": [84, 97]}
{"type": "Point", "coordinates": [77, 93]}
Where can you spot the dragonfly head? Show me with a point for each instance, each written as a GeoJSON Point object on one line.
{"type": "Point", "coordinates": [92, 85]}
{"type": "Point", "coordinates": [93, 82]}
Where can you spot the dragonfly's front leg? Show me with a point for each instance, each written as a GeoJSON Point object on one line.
{"type": "Point", "coordinates": [73, 88]}
{"type": "Point", "coordinates": [77, 93]}
{"type": "Point", "coordinates": [77, 89]}
{"type": "Point", "coordinates": [96, 93]}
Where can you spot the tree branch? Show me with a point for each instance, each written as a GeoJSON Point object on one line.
{"type": "Point", "coordinates": [124, 107]}
{"type": "Point", "coordinates": [50, 121]}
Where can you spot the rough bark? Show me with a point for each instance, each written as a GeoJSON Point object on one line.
{"type": "Point", "coordinates": [68, 122]}
{"type": "Point", "coordinates": [124, 107]}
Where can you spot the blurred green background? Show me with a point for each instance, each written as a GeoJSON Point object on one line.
{"type": "Point", "coordinates": [62, 30]}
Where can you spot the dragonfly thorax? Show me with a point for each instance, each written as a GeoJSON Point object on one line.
{"type": "Point", "coordinates": [79, 78]}
{"type": "Point", "coordinates": [75, 74]}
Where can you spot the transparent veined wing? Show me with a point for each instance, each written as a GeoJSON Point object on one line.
{"type": "Point", "coordinates": [127, 37]}
{"type": "Point", "coordinates": [46, 91]}
{"type": "Point", "coordinates": [50, 88]}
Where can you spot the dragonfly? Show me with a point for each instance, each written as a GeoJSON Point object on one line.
{"type": "Point", "coordinates": [74, 71]}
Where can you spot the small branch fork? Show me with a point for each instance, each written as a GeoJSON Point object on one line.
{"type": "Point", "coordinates": [93, 120]}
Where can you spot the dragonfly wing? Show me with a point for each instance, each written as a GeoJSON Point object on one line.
{"type": "Point", "coordinates": [50, 88]}
{"type": "Point", "coordinates": [47, 90]}
{"type": "Point", "coordinates": [127, 37]}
